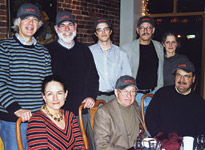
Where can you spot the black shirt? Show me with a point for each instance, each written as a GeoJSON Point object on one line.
{"type": "Point", "coordinates": [148, 67]}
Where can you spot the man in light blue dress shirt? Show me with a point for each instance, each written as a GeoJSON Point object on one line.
{"type": "Point", "coordinates": [111, 61]}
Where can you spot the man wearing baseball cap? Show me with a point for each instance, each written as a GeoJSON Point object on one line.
{"type": "Point", "coordinates": [111, 61]}
{"type": "Point", "coordinates": [24, 64]}
{"type": "Point", "coordinates": [116, 124]}
{"type": "Point", "coordinates": [146, 57]}
{"type": "Point", "coordinates": [73, 61]}
{"type": "Point", "coordinates": [177, 108]}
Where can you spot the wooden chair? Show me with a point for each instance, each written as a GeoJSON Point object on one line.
{"type": "Point", "coordinates": [18, 134]}
{"type": "Point", "coordinates": [142, 107]}
{"type": "Point", "coordinates": [92, 114]}
{"type": "Point", "coordinates": [1, 144]}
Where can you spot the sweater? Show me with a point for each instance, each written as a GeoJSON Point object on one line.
{"type": "Point", "coordinates": [22, 69]}
{"type": "Point", "coordinates": [76, 66]}
{"type": "Point", "coordinates": [42, 133]}
{"type": "Point", "coordinates": [170, 111]}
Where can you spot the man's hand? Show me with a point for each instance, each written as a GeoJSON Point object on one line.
{"type": "Point", "coordinates": [89, 102]}
{"type": "Point", "coordinates": [24, 114]}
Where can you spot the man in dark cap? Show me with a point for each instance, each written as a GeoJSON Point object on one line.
{"type": "Point", "coordinates": [24, 64]}
{"type": "Point", "coordinates": [146, 58]}
{"type": "Point", "coordinates": [177, 108]}
{"type": "Point", "coordinates": [117, 123]}
{"type": "Point", "coordinates": [111, 61]}
{"type": "Point", "coordinates": [73, 62]}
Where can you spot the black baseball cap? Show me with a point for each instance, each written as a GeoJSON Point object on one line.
{"type": "Point", "coordinates": [186, 66]}
{"type": "Point", "coordinates": [64, 16]}
{"type": "Point", "coordinates": [145, 19]}
{"type": "Point", "coordinates": [28, 9]}
{"type": "Point", "coordinates": [125, 81]}
{"type": "Point", "coordinates": [101, 20]}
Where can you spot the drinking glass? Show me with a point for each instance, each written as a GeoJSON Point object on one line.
{"type": "Point", "coordinates": [200, 142]}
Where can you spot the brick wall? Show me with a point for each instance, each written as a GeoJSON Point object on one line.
{"type": "Point", "coordinates": [3, 19]}
{"type": "Point", "coordinates": [85, 13]}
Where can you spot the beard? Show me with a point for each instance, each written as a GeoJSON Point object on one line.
{"type": "Point", "coordinates": [67, 39]}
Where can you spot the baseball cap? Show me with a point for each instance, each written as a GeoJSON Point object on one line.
{"type": "Point", "coordinates": [28, 9]}
{"type": "Point", "coordinates": [186, 66]}
{"type": "Point", "coordinates": [145, 19]}
{"type": "Point", "coordinates": [101, 20]}
{"type": "Point", "coordinates": [125, 81]}
{"type": "Point", "coordinates": [64, 16]}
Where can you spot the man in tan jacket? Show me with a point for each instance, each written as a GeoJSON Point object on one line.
{"type": "Point", "coordinates": [116, 124]}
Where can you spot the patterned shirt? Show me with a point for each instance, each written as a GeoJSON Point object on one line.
{"type": "Point", "coordinates": [42, 133]}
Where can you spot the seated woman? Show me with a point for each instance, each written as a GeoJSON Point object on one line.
{"type": "Point", "coordinates": [172, 59]}
{"type": "Point", "coordinates": [52, 127]}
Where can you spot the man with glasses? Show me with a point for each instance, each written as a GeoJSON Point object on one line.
{"type": "Point", "coordinates": [73, 62]}
{"type": "Point", "coordinates": [111, 61]}
{"type": "Point", "coordinates": [117, 123]}
{"type": "Point", "coordinates": [177, 108]}
{"type": "Point", "coordinates": [146, 58]}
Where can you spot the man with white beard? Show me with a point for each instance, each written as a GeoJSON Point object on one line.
{"type": "Point", "coordinates": [73, 62]}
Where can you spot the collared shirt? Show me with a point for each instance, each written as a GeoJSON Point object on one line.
{"type": "Point", "coordinates": [61, 43]}
{"type": "Point", "coordinates": [33, 42]}
{"type": "Point", "coordinates": [110, 64]}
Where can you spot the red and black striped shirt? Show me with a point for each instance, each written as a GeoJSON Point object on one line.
{"type": "Point", "coordinates": [42, 133]}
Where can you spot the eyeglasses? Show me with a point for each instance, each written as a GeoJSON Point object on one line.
{"type": "Point", "coordinates": [186, 77]}
{"type": "Point", "coordinates": [125, 92]}
{"type": "Point", "coordinates": [105, 29]}
{"type": "Point", "coordinates": [147, 28]}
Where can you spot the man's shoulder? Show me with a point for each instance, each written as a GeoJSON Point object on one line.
{"type": "Point", "coordinates": [157, 43]}
{"type": "Point", "coordinates": [93, 47]}
{"type": "Point", "coordinates": [108, 106]}
{"type": "Point", "coordinates": [131, 43]}
{"type": "Point", "coordinates": [8, 41]}
{"type": "Point", "coordinates": [50, 45]}
{"type": "Point", "coordinates": [165, 90]}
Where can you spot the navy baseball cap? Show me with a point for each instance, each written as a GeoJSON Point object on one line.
{"type": "Point", "coordinates": [64, 16]}
{"type": "Point", "coordinates": [28, 9]}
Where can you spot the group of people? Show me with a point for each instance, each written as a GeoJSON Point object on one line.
{"type": "Point", "coordinates": [45, 85]}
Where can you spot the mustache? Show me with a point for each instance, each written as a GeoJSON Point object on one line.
{"type": "Point", "coordinates": [184, 83]}
{"type": "Point", "coordinates": [145, 34]}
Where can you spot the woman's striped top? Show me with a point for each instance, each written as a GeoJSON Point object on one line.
{"type": "Point", "coordinates": [42, 133]}
{"type": "Point", "coordinates": [22, 69]}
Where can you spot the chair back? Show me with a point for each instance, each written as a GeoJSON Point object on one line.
{"type": "Point", "coordinates": [92, 115]}
{"type": "Point", "coordinates": [18, 134]}
{"type": "Point", "coordinates": [142, 107]}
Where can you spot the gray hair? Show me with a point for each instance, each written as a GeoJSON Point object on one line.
{"type": "Point", "coordinates": [17, 22]}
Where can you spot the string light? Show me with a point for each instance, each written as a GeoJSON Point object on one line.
{"type": "Point", "coordinates": [145, 10]}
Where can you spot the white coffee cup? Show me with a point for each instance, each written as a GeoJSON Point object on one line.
{"type": "Point", "coordinates": [188, 142]}
{"type": "Point", "coordinates": [146, 141]}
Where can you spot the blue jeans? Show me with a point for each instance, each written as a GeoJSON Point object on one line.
{"type": "Point", "coordinates": [146, 101]}
{"type": "Point", "coordinates": [85, 120]}
{"type": "Point", "coordinates": [8, 135]}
